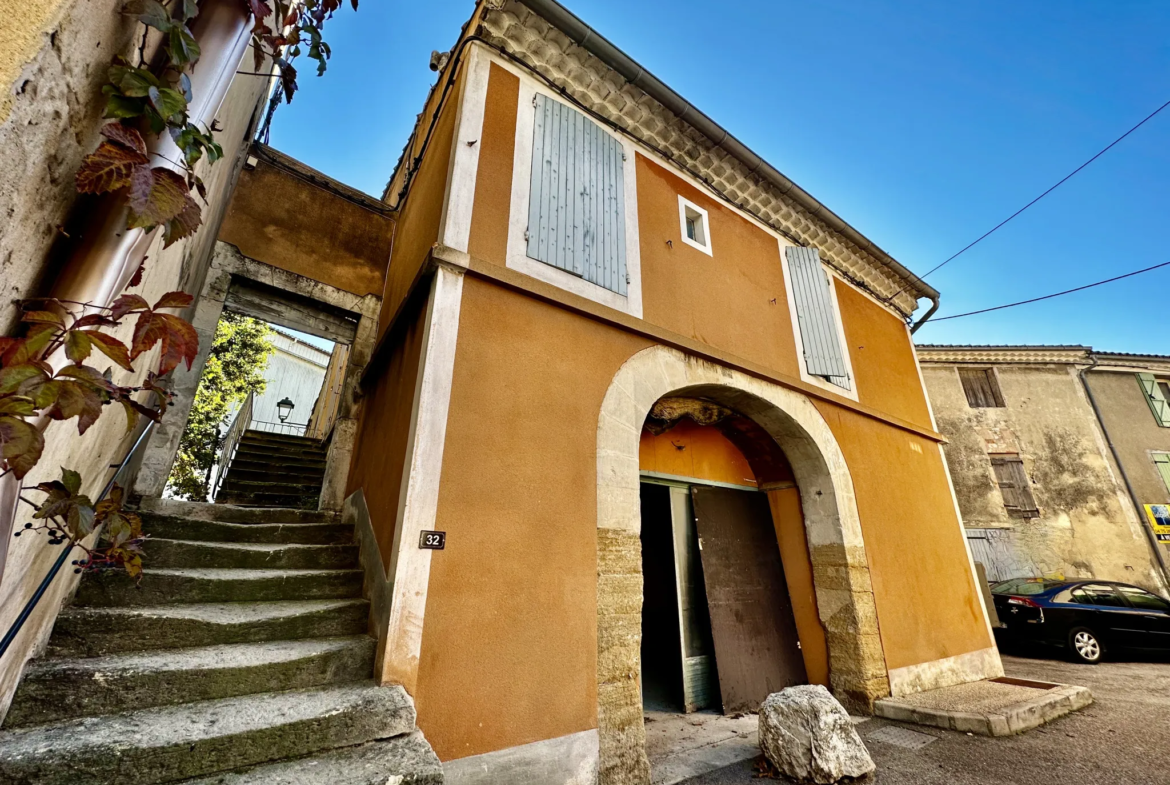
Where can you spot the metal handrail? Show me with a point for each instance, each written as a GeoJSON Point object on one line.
{"type": "Point", "coordinates": [31, 605]}
{"type": "Point", "coordinates": [281, 428]}
{"type": "Point", "coordinates": [231, 441]}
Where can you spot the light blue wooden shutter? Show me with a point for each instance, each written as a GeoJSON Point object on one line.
{"type": "Point", "coordinates": [1154, 397]}
{"type": "Point", "coordinates": [816, 318]}
{"type": "Point", "coordinates": [576, 212]}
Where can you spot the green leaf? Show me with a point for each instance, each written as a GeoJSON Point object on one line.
{"type": "Point", "coordinates": [77, 346]}
{"type": "Point", "coordinates": [14, 376]}
{"type": "Point", "coordinates": [133, 82]}
{"type": "Point", "coordinates": [71, 480]}
{"type": "Point", "coordinates": [190, 9]}
{"type": "Point", "coordinates": [119, 107]}
{"type": "Point", "coordinates": [152, 14]}
{"type": "Point", "coordinates": [184, 50]}
{"type": "Point", "coordinates": [167, 102]}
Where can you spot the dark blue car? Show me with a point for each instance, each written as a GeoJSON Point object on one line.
{"type": "Point", "coordinates": [1089, 618]}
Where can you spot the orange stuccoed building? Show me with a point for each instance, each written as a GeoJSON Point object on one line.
{"type": "Point", "coordinates": [664, 409]}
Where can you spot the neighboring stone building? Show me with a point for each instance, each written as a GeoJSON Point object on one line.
{"type": "Point", "coordinates": [1036, 478]}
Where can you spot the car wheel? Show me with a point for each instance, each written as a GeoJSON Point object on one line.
{"type": "Point", "coordinates": [1085, 646]}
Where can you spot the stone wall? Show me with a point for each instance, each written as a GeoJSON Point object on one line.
{"type": "Point", "coordinates": [1086, 525]}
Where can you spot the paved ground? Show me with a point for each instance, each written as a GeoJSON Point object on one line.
{"type": "Point", "coordinates": [1122, 739]}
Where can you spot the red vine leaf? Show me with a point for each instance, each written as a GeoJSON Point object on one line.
{"type": "Point", "coordinates": [168, 196]}
{"type": "Point", "coordinates": [136, 279]}
{"type": "Point", "coordinates": [174, 300]}
{"type": "Point", "coordinates": [127, 303]}
{"type": "Point", "coordinates": [260, 9]}
{"type": "Point", "coordinates": [77, 346]}
{"type": "Point", "coordinates": [94, 320]}
{"type": "Point", "coordinates": [184, 224]}
{"type": "Point", "coordinates": [111, 347]}
{"type": "Point", "coordinates": [141, 183]}
{"type": "Point", "coordinates": [71, 399]}
{"type": "Point", "coordinates": [14, 377]}
{"type": "Point", "coordinates": [125, 136]}
{"type": "Point", "coordinates": [21, 445]}
{"type": "Point", "coordinates": [23, 350]}
{"type": "Point", "coordinates": [108, 168]}
{"type": "Point", "coordinates": [179, 340]}
{"type": "Point", "coordinates": [43, 317]}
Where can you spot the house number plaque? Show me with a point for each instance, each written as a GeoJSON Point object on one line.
{"type": "Point", "coordinates": [432, 541]}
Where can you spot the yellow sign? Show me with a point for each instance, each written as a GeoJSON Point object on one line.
{"type": "Point", "coordinates": [1159, 515]}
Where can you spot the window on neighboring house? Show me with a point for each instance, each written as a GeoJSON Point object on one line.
{"type": "Point", "coordinates": [1014, 486]}
{"type": "Point", "coordinates": [1157, 392]}
{"type": "Point", "coordinates": [981, 388]}
{"type": "Point", "coordinates": [695, 231]}
{"type": "Point", "coordinates": [816, 316]}
{"type": "Point", "coordinates": [576, 216]}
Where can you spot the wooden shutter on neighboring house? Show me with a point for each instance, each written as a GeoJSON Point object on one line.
{"type": "Point", "coordinates": [1162, 462]}
{"type": "Point", "coordinates": [981, 388]}
{"type": "Point", "coordinates": [1014, 486]}
{"type": "Point", "coordinates": [1155, 398]}
{"type": "Point", "coordinates": [817, 320]}
{"type": "Point", "coordinates": [576, 212]}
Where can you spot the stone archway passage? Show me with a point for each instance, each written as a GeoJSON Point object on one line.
{"type": "Point", "coordinates": [844, 594]}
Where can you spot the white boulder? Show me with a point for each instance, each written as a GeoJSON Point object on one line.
{"type": "Point", "coordinates": [809, 737]}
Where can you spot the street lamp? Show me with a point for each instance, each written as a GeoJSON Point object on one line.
{"type": "Point", "coordinates": [284, 408]}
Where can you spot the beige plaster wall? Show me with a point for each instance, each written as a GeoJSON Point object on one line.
{"type": "Point", "coordinates": [1086, 526]}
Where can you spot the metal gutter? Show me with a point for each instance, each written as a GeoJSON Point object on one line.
{"type": "Point", "coordinates": [596, 44]}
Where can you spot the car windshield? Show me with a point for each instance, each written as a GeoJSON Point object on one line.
{"type": "Point", "coordinates": [1024, 586]}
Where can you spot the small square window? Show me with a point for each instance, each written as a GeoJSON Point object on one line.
{"type": "Point", "coordinates": [695, 229]}
{"type": "Point", "coordinates": [981, 388]}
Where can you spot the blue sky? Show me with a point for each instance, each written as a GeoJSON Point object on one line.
{"type": "Point", "coordinates": [923, 124]}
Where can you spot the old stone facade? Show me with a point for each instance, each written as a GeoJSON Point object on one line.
{"type": "Point", "coordinates": [1037, 484]}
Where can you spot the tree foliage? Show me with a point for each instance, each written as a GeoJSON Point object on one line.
{"type": "Point", "coordinates": [235, 367]}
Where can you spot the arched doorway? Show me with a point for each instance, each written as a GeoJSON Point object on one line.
{"type": "Point", "coordinates": [844, 596]}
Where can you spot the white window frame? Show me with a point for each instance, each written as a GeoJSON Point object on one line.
{"type": "Point", "coordinates": [685, 204]}
{"type": "Point", "coordinates": [517, 257]}
{"type": "Point", "coordinates": [805, 376]}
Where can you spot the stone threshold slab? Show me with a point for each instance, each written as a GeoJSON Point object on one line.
{"type": "Point", "coordinates": [944, 707]}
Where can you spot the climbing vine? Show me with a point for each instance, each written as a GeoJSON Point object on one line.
{"type": "Point", "coordinates": [143, 101]}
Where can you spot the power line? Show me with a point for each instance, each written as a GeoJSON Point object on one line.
{"type": "Point", "coordinates": [1050, 296]}
{"type": "Point", "coordinates": [1063, 180]}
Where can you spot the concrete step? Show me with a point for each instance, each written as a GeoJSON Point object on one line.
{"type": "Point", "coordinates": [277, 450]}
{"type": "Point", "coordinates": [172, 528]}
{"type": "Point", "coordinates": [197, 739]}
{"type": "Point", "coordinates": [193, 553]}
{"type": "Point", "coordinates": [402, 760]}
{"type": "Point", "coordinates": [177, 585]}
{"type": "Point", "coordinates": [227, 514]}
{"type": "Point", "coordinates": [297, 487]}
{"type": "Point", "coordinates": [253, 434]}
{"type": "Point", "coordinates": [259, 471]}
{"type": "Point", "coordinates": [242, 499]}
{"type": "Point", "coordinates": [62, 689]}
{"type": "Point", "coordinates": [94, 632]}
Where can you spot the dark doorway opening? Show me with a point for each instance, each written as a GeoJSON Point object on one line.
{"type": "Point", "coordinates": [678, 655]}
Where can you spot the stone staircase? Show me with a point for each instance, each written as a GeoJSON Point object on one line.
{"type": "Point", "coordinates": [274, 470]}
{"type": "Point", "coordinates": [242, 658]}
